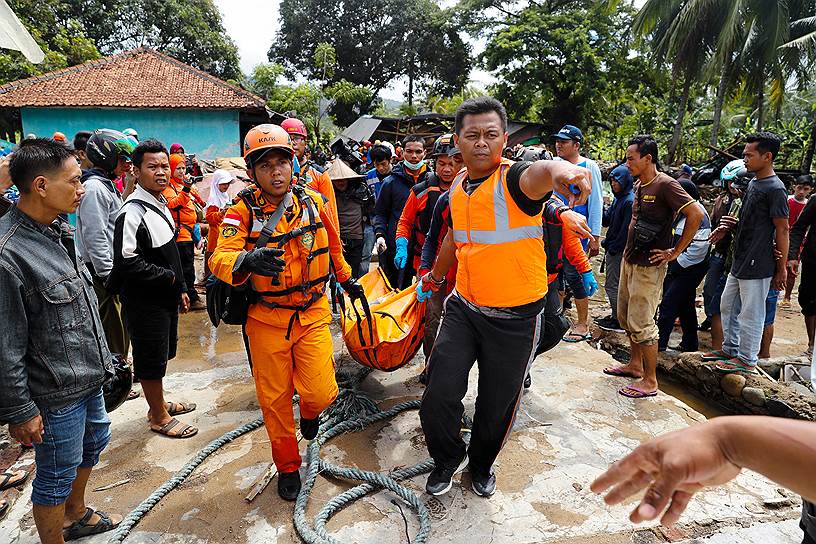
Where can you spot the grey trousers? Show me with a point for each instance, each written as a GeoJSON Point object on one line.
{"type": "Point", "coordinates": [613, 269]}
{"type": "Point", "coordinates": [433, 313]}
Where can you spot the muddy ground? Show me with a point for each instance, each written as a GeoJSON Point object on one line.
{"type": "Point", "coordinates": [570, 426]}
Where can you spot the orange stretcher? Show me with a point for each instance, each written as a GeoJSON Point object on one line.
{"type": "Point", "coordinates": [384, 331]}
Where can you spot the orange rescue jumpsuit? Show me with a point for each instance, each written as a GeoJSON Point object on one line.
{"type": "Point", "coordinates": [180, 203]}
{"type": "Point", "coordinates": [289, 348]}
{"type": "Point", "coordinates": [321, 182]}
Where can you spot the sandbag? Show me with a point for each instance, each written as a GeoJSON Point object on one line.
{"type": "Point", "coordinates": [385, 332]}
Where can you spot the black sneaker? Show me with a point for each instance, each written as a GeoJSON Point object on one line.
{"type": "Point", "coordinates": [528, 382]}
{"type": "Point", "coordinates": [705, 325]}
{"type": "Point", "coordinates": [609, 324]}
{"type": "Point", "coordinates": [483, 485]}
{"type": "Point", "coordinates": [288, 485]}
{"type": "Point", "coordinates": [441, 479]}
{"type": "Point", "coordinates": [309, 427]}
{"type": "Point", "coordinates": [423, 376]}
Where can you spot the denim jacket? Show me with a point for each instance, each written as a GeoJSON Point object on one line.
{"type": "Point", "coordinates": [52, 349]}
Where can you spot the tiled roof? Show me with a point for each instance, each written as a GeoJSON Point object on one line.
{"type": "Point", "coordinates": [142, 78]}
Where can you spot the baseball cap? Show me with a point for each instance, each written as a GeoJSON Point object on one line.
{"type": "Point", "coordinates": [569, 132]}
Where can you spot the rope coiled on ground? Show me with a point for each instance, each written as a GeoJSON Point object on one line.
{"type": "Point", "coordinates": [351, 412]}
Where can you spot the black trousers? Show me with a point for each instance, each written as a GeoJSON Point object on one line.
{"type": "Point", "coordinates": [679, 294]}
{"type": "Point", "coordinates": [353, 254]}
{"type": "Point", "coordinates": [504, 349]}
{"type": "Point", "coordinates": [393, 273]}
{"type": "Point", "coordinates": [153, 335]}
{"type": "Point", "coordinates": [553, 324]}
{"type": "Point", "coordinates": [187, 255]}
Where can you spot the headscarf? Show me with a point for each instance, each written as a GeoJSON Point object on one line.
{"type": "Point", "coordinates": [218, 198]}
{"type": "Point", "coordinates": [175, 160]}
{"type": "Point", "coordinates": [176, 148]}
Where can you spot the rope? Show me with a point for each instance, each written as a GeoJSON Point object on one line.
{"type": "Point", "coordinates": [146, 505]}
{"type": "Point", "coordinates": [351, 412]}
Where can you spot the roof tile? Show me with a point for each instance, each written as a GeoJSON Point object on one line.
{"type": "Point", "coordinates": [141, 78]}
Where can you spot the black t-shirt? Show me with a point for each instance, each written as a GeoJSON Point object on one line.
{"type": "Point", "coordinates": [765, 200]}
{"type": "Point", "coordinates": [525, 203]}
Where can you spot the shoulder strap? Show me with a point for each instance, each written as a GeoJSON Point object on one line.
{"type": "Point", "coordinates": [270, 224]}
{"type": "Point", "coordinates": [145, 205]}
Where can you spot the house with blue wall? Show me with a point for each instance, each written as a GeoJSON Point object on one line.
{"type": "Point", "coordinates": [157, 95]}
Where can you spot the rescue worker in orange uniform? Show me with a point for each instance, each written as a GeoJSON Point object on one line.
{"type": "Point", "coordinates": [287, 327]}
{"type": "Point", "coordinates": [310, 175]}
{"type": "Point", "coordinates": [494, 313]}
{"type": "Point", "coordinates": [182, 198]}
{"type": "Point", "coordinates": [415, 222]}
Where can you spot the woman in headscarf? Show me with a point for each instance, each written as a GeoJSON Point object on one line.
{"type": "Point", "coordinates": [217, 203]}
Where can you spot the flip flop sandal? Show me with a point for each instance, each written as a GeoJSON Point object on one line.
{"type": "Point", "coordinates": [620, 373]}
{"type": "Point", "coordinates": [637, 393]}
{"type": "Point", "coordinates": [716, 355]}
{"type": "Point", "coordinates": [133, 394]}
{"type": "Point", "coordinates": [11, 479]}
{"type": "Point", "coordinates": [183, 432]}
{"type": "Point", "coordinates": [574, 337]}
{"type": "Point", "coordinates": [732, 366]}
{"type": "Point", "coordinates": [82, 528]}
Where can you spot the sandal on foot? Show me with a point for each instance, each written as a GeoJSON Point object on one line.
{"type": "Point", "coordinates": [179, 408]}
{"type": "Point", "coordinates": [620, 372]}
{"type": "Point", "coordinates": [133, 394]}
{"type": "Point", "coordinates": [716, 355]}
{"type": "Point", "coordinates": [575, 337]}
{"type": "Point", "coordinates": [734, 365]}
{"type": "Point", "coordinates": [83, 528]}
{"type": "Point", "coordinates": [633, 392]}
{"type": "Point", "coordinates": [185, 431]}
{"type": "Point", "coordinates": [12, 478]}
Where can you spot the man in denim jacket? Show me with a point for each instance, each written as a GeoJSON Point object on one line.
{"type": "Point", "coordinates": [53, 355]}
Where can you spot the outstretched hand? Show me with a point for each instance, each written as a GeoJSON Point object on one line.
{"type": "Point", "coordinates": [671, 468]}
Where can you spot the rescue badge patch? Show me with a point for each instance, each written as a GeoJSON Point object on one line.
{"type": "Point", "coordinates": [307, 239]}
{"type": "Point", "coordinates": [229, 232]}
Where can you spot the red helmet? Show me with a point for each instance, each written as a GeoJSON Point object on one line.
{"type": "Point", "coordinates": [294, 126]}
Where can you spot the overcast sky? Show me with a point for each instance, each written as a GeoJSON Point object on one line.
{"type": "Point", "coordinates": [252, 24]}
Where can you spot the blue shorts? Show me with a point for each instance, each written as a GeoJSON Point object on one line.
{"type": "Point", "coordinates": [714, 285]}
{"type": "Point", "coordinates": [74, 437]}
{"type": "Point", "coordinates": [770, 306]}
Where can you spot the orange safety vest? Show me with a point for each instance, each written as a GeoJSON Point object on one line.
{"type": "Point", "coordinates": [499, 248]}
{"type": "Point", "coordinates": [308, 246]}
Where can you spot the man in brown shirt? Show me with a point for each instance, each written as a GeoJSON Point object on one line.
{"type": "Point", "coordinates": [658, 199]}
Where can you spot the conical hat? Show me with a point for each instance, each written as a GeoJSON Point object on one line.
{"type": "Point", "coordinates": [341, 170]}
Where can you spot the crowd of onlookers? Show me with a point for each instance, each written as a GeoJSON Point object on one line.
{"type": "Point", "coordinates": [139, 222]}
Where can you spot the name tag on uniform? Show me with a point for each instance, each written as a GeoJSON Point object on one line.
{"type": "Point", "coordinates": [649, 198]}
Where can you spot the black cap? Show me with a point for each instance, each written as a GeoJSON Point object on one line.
{"type": "Point", "coordinates": [569, 132]}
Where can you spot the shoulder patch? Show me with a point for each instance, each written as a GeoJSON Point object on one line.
{"type": "Point", "coordinates": [229, 231]}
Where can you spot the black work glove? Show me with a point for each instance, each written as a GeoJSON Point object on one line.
{"type": "Point", "coordinates": [353, 288]}
{"type": "Point", "coordinates": [264, 261]}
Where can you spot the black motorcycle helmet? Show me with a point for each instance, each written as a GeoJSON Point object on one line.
{"type": "Point", "coordinates": [106, 146]}
{"type": "Point", "coordinates": [444, 145]}
{"type": "Point", "coordinates": [117, 387]}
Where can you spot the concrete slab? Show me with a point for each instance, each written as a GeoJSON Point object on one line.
{"type": "Point", "coordinates": [570, 426]}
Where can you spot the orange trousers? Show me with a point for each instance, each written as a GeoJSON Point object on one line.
{"type": "Point", "coordinates": [305, 362]}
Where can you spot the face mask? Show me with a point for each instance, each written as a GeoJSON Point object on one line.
{"type": "Point", "coordinates": [414, 167]}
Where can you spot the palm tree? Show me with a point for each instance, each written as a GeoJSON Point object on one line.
{"type": "Point", "coordinates": [681, 33]}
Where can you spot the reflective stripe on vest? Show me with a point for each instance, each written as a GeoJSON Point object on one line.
{"type": "Point", "coordinates": [503, 233]}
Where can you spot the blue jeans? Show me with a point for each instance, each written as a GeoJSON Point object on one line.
{"type": "Point", "coordinates": [573, 279]}
{"type": "Point", "coordinates": [368, 247]}
{"type": "Point", "coordinates": [743, 317]}
{"type": "Point", "coordinates": [74, 437]}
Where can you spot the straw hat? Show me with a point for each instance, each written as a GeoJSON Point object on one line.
{"type": "Point", "coordinates": [341, 170]}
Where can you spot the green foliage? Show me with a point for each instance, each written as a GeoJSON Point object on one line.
{"type": "Point", "coordinates": [74, 31]}
{"type": "Point", "coordinates": [325, 59]}
{"type": "Point", "coordinates": [377, 42]}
